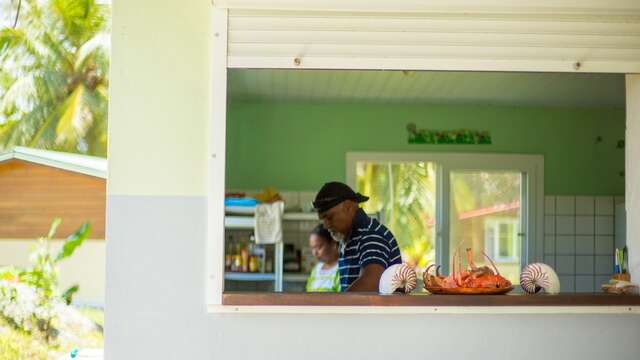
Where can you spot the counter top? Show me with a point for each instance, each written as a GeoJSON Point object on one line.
{"type": "Point", "coordinates": [427, 300]}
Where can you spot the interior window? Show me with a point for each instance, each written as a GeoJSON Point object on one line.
{"type": "Point", "coordinates": [404, 194]}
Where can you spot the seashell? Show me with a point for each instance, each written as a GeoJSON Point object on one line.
{"type": "Point", "coordinates": [396, 277]}
{"type": "Point", "coordinates": [538, 276]}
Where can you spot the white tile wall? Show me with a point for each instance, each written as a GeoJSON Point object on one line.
{"type": "Point", "coordinates": [550, 260]}
{"type": "Point", "coordinates": [565, 225]}
{"type": "Point", "coordinates": [579, 239]}
{"type": "Point", "coordinates": [565, 205]}
{"type": "Point", "coordinates": [604, 205]}
{"type": "Point", "coordinates": [585, 205]}
{"type": "Point", "coordinates": [565, 245]}
{"type": "Point", "coordinates": [604, 225]}
{"type": "Point", "coordinates": [604, 245]}
{"type": "Point", "coordinates": [291, 200]}
{"type": "Point", "coordinates": [567, 283]}
{"type": "Point", "coordinates": [585, 225]}
{"type": "Point", "coordinates": [584, 283]}
{"type": "Point", "coordinates": [306, 200]}
{"type": "Point", "coordinates": [566, 264]}
{"type": "Point", "coordinates": [550, 205]}
{"type": "Point", "coordinates": [550, 225]}
{"type": "Point", "coordinates": [585, 245]}
{"type": "Point", "coordinates": [601, 279]}
{"type": "Point", "coordinates": [585, 265]}
{"type": "Point", "coordinates": [549, 244]}
{"type": "Point", "coordinates": [604, 265]}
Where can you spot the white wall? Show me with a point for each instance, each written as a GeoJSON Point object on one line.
{"type": "Point", "coordinates": [157, 225]}
{"type": "Point", "coordinates": [86, 267]}
{"type": "Point", "coordinates": [632, 174]}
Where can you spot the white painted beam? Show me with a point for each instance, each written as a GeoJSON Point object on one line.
{"type": "Point", "coordinates": [460, 6]}
{"type": "Point", "coordinates": [214, 255]}
{"type": "Point", "coordinates": [632, 174]}
{"type": "Point", "coordinates": [557, 42]}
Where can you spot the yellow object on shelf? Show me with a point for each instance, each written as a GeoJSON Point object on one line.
{"type": "Point", "coordinates": [269, 195]}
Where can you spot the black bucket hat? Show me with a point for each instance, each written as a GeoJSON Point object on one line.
{"type": "Point", "coordinates": [333, 193]}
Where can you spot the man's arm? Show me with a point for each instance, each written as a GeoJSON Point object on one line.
{"type": "Point", "coordinates": [369, 279]}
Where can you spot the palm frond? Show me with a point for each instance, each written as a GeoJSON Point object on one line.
{"type": "Point", "coordinates": [53, 85]}
{"type": "Point", "coordinates": [99, 45]}
{"type": "Point", "coordinates": [72, 119]}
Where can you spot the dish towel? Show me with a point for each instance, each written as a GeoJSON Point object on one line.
{"type": "Point", "coordinates": [269, 222]}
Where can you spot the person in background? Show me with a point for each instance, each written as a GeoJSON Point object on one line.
{"type": "Point", "coordinates": [324, 276]}
{"type": "Point", "coordinates": [367, 247]}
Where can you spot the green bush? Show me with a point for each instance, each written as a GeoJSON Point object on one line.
{"type": "Point", "coordinates": [30, 298]}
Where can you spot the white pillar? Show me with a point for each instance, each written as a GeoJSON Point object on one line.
{"type": "Point", "coordinates": [632, 174]}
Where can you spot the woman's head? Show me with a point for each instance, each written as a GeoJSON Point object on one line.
{"type": "Point", "coordinates": [323, 247]}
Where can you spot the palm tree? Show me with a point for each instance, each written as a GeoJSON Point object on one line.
{"type": "Point", "coordinates": [53, 82]}
{"type": "Point", "coordinates": [404, 195]}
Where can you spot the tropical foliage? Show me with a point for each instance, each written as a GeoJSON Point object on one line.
{"type": "Point", "coordinates": [36, 319]}
{"type": "Point", "coordinates": [30, 298]}
{"type": "Point", "coordinates": [404, 196]}
{"type": "Point", "coordinates": [53, 82]}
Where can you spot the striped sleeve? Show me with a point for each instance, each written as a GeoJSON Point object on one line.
{"type": "Point", "coordinates": [374, 250]}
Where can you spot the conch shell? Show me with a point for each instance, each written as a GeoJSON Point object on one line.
{"type": "Point", "coordinates": [538, 276]}
{"type": "Point", "coordinates": [396, 277]}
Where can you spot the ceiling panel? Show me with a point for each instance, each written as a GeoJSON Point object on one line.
{"type": "Point", "coordinates": [544, 89]}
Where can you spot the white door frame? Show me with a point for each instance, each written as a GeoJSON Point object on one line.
{"type": "Point", "coordinates": [533, 165]}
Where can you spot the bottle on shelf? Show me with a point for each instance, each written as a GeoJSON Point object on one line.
{"type": "Point", "coordinates": [228, 254]}
{"type": "Point", "coordinates": [244, 257]}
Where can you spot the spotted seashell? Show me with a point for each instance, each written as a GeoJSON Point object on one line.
{"type": "Point", "coordinates": [396, 277]}
{"type": "Point", "coordinates": [538, 276]}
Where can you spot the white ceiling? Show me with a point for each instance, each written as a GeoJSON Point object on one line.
{"type": "Point", "coordinates": [539, 89]}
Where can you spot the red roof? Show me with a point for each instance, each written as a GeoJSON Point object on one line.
{"type": "Point", "coordinates": [489, 210]}
{"type": "Point", "coordinates": [482, 212]}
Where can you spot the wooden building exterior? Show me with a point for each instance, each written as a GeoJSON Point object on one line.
{"type": "Point", "coordinates": [37, 186]}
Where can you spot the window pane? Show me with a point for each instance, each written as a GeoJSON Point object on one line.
{"type": "Point", "coordinates": [484, 215]}
{"type": "Point", "coordinates": [404, 196]}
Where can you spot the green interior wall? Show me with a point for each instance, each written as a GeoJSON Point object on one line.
{"type": "Point", "coordinates": [299, 146]}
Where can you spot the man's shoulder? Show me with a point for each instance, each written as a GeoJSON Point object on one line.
{"type": "Point", "coordinates": [379, 228]}
{"type": "Point", "coordinates": [375, 231]}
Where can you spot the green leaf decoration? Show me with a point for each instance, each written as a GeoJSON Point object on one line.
{"type": "Point", "coordinates": [460, 136]}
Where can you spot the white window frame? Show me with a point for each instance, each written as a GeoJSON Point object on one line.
{"type": "Point", "coordinates": [532, 207]}
{"type": "Point", "coordinates": [219, 59]}
{"type": "Point", "coordinates": [495, 224]}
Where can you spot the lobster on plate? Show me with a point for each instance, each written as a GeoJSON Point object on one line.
{"type": "Point", "coordinates": [475, 279]}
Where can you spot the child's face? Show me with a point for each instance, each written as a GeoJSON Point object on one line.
{"type": "Point", "coordinates": [323, 249]}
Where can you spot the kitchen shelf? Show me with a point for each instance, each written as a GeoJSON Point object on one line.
{"type": "Point", "coordinates": [248, 222]}
{"type": "Point", "coordinates": [239, 222]}
{"type": "Point", "coordinates": [288, 277]}
{"type": "Point", "coordinates": [244, 210]}
{"type": "Point", "coordinates": [241, 276]}
{"type": "Point", "coordinates": [296, 277]}
{"type": "Point", "coordinates": [241, 218]}
{"type": "Point", "coordinates": [300, 216]}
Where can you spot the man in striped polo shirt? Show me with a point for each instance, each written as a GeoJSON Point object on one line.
{"type": "Point", "coordinates": [367, 247]}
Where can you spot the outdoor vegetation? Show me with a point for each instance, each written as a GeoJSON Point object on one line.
{"type": "Point", "coordinates": [54, 61]}
{"type": "Point", "coordinates": [404, 197]}
{"type": "Point", "coordinates": [37, 320]}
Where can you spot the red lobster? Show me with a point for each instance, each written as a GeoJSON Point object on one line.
{"type": "Point", "coordinates": [472, 277]}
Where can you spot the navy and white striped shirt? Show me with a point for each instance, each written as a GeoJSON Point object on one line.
{"type": "Point", "coordinates": [370, 242]}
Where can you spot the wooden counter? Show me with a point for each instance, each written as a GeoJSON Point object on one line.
{"type": "Point", "coordinates": [427, 300]}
